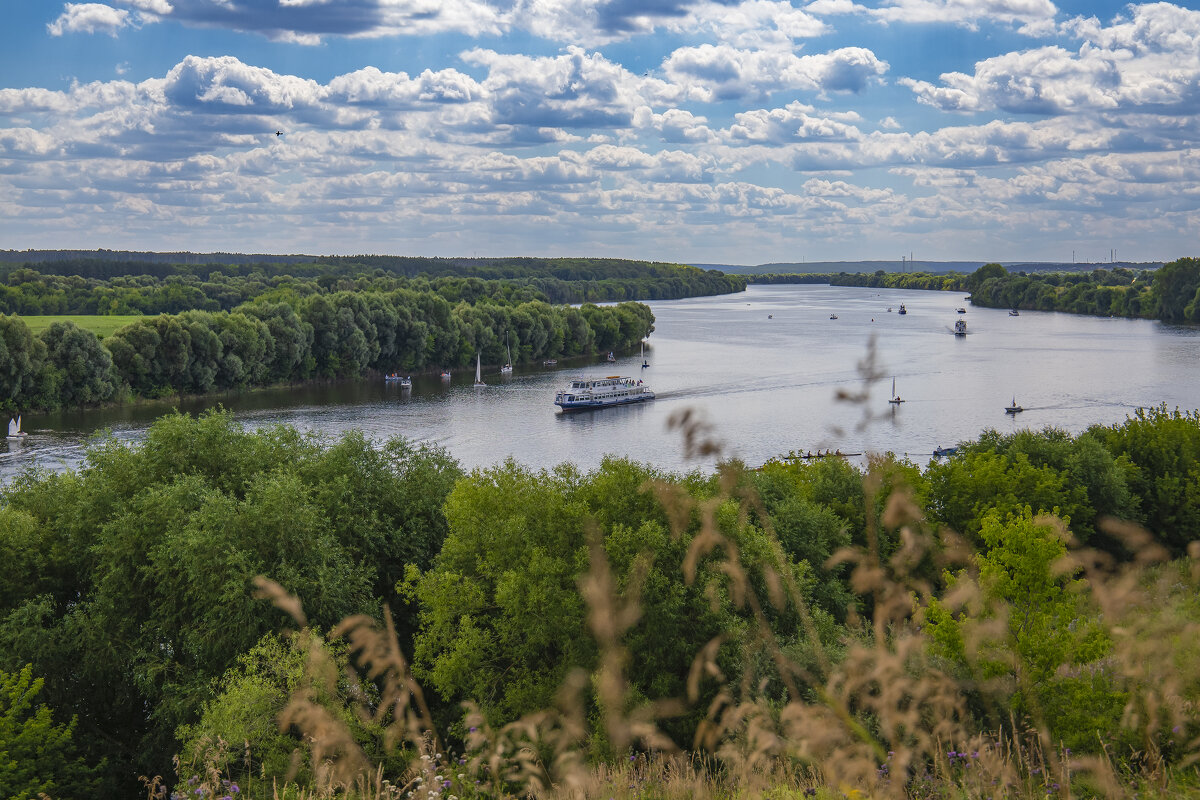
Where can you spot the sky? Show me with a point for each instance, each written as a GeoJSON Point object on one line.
{"type": "Point", "coordinates": [695, 131]}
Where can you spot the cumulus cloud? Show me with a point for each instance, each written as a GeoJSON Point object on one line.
{"type": "Point", "coordinates": [794, 123]}
{"type": "Point", "coordinates": [310, 21]}
{"type": "Point", "coordinates": [576, 89]}
{"type": "Point", "coordinates": [89, 18]}
{"type": "Point", "coordinates": [1031, 17]}
{"type": "Point", "coordinates": [1148, 62]}
{"type": "Point", "coordinates": [720, 72]}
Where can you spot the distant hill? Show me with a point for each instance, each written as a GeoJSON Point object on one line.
{"type": "Point", "coordinates": [834, 267]}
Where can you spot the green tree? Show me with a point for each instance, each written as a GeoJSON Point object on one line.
{"type": "Point", "coordinates": [84, 372]}
{"type": "Point", "coordinates": [21, 357]}
{"type": "Point", "coordinates": [1045, 662]}
{"type": "Point", "coordinates": [36, 756]}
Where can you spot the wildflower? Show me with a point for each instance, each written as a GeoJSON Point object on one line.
{"type": "Point", "coordinates": [473, 729]}
{"type": "Point", "coordinates": [234, 789]}
{"type": "Point", "coordinates": [445, 784]}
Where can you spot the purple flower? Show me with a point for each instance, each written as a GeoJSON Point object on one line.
{"type": "Point", "coordinates": [446, 784]}
{"type": "Point", "coordinates": [234, 788]}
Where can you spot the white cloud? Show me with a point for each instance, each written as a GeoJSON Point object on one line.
{"type": "Point", "coordinates": [89, 18]}
{"type": "Point", "coordinates": [794, 123]}
{"type": "Point", "coordinates": [574, 90]}
{"type": "Point", "coordinates": [719, 72]}
{"type": "Point", "coordinates": [1148, 62]}
{"type": "Point", "coordinates": [1032, 17]}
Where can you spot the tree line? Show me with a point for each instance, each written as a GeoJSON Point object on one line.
{"type": "Point", "coordinates": [93, 286]}
{"type": "Point", "coordinates": [321, 336]}
{"type": "Point", "coordinates": [1170, 293]}
{"type": "Point", "coordinates": [127, 605]}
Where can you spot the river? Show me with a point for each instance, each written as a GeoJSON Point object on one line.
{"type": "Point", "coordinates": [763, 368]}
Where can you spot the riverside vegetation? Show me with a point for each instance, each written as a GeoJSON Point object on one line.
{"type": "Point", "coordinates": [236, 326]}
{"type": "Point", "coordinates": [266, 614]}
{"type": "Point", "coordinates": [1170, 293]}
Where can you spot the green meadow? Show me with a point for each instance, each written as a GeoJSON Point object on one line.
{"type": "Point", "coordinates": [102, 326]}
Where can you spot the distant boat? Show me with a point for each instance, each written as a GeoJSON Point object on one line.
{"type": "Point", "coordinates": [1014, 313]}
{"type": "Point", "coordinates": [827, 454]}
{"type": "Point", "coordinates": [479, 384]}
{"type": "Point", "coordinates": [507, 368]}
{"type": "Point", "coordinates": [645, 363]}
{"type": "Point", "coordinates": [611, 357]}
{"type": "Point", "coordinates": [549, 362]}
{"type": "Point", "coordinates": [1014, 408]}
{"type": "Point", "coordinates": [15, 434]}
{"type": "Point", "coordinates": [833, 316]}
{"type": "Point", "coordinates": [895, 397]}
{"type": "Point", "coordinates": [960, 327]}
{"type": "Point", "coordinates": [770, 316]}
{"type": "Point", "coordinates": [962, 311]}
{"type": "Point", "coordinates": [889, 309]}
{"type": "Point", "coordinates": [903, 310]}
{"type": "Point", "coordinates": [404, 381]}
{"type": "Point", "coordinates": [445, 374]}
{"type": "Point", "coordinates": [942, 452]}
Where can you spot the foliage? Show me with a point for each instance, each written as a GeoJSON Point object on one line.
{"type": "Point", "coordinates": [37, 757]}
{"type": "Point", "coordinates": [131, 580]}
{"type": "Point", "coordinates": [1160, 451]}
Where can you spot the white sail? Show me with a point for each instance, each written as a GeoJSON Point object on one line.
{"type": "Point", "coordinates": [14, 426]}
{"type": "Point", "coordinates": [478, 372]}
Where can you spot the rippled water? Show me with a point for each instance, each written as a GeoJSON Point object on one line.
{"type": "Point", "coordinates": [762, 367]}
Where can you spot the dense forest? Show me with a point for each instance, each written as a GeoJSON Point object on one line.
{"type": "Point", "coordinates": [220, 327]}
{"type": "Point", "coordinates": [101, 286]}
{"type": "Point", "coordinates": [1170, 293]}
{"type": "Point", "coordinates": [340, 335]}
{"type": "Point", "coordinates": [1016, 621]}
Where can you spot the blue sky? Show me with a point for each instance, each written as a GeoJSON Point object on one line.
{"type": "Point", "coordinates": [723, 131]}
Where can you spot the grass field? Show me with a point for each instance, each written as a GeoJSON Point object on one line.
{"type": "Point", "coordinates": [101, 326]}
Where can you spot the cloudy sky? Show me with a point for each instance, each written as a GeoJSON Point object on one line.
{"type": "Point", "coordinates": [725, 131]}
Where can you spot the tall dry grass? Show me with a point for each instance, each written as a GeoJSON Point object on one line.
{"type": "Point", "coordinates": [884, 717]}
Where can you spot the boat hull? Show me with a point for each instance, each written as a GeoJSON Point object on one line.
{"type": "Point", "coordinates": [603, 402]}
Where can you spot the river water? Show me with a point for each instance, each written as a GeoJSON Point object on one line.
{"type": "Point", "coordinates": [762, 368]}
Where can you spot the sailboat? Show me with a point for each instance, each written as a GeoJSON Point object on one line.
{"type": "Point", "coordinates": [14, 429]}
{"type": "Point", "coordinates": [478, 373]}
{"type": "Point", "coordinates": [645, 363]}
{"type": "Point", "coordinates": [1014, 408]}
{"type": "Point", "coordinates": [895, 397]}
{"type": "Point", "coordinates": [507, 368]}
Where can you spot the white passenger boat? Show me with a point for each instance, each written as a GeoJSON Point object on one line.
{"type": "Point", "coordinates": [614, 390]}
{"type": "Point", "coordinates": [960, 327]}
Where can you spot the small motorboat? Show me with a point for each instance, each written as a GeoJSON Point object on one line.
{"type": "Point", "coordinates": [1014, 408]}
{"type": "Point", "coordinates": [960, 327]}
{"type": "Point", "coordinates": [1014, 313]}
{"type": "Point", "coordinates": [903, 310]}
{"type": "Point", "coordinates": [943, 452]}
{"type": "Point", "coordinates": [962, 310]}
{"type": "Point", "coordinates": [550, 362]}
{"type": "Point", "coordinates": [445, 374]}
{"type": "Point", "coordinates": [833, 316]}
